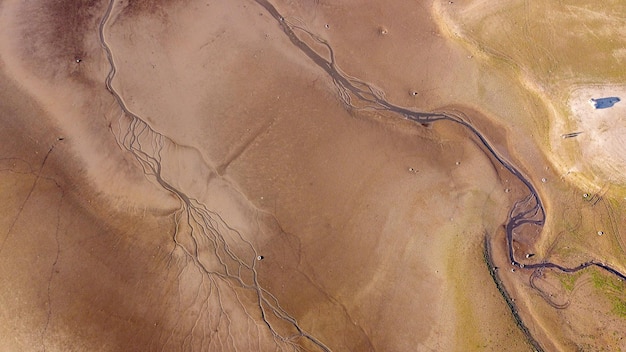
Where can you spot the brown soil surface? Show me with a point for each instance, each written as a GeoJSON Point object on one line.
{"type": "Point", "coordinates": [240, 204]}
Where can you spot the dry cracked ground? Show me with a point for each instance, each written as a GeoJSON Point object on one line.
{"type": "Point", "coordinates": [294, 175]}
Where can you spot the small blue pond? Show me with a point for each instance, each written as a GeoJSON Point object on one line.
{"type": "Point", "coordinates": [603, 103]}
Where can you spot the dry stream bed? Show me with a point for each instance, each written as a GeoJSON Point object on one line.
{"type": "Point", "coordinates": [256, 175]}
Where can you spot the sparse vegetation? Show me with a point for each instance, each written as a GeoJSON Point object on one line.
{"type": "Point", "coordinates": [556, 47]}
{"type": "Point", "coordinates": [606, 282]}
{"type": "Point", "coordinates": [569, 280]}
{"type": "Point", "coordinates": [619, 307]}
{"type": "Point", "coordinates": [613, 288]}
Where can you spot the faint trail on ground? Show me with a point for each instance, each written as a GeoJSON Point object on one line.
{"type": "Point", "coordinates": [28, 195]}
{"type": "Point", "coordinates": [224, 257]}
{"type": "Point", "coordinates": [52, 271]}
{"type": "Point", "coordinates": [27, 169]}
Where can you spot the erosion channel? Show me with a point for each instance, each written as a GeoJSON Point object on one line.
{"type": "Point", "coordinates": [200, 229]}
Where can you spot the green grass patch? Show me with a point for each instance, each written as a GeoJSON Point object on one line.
{"type": "Point", "coordinates": [612, 287]}
{"type": "Point", "coordinates": [569, 280]}
{"type": "Point", "coordinates": [619, 307]}
{"type": "Point", "coordinates": [605, 282]}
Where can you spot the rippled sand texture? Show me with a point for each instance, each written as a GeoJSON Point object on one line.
{"type": "Point", "coordinates": [259, 176]}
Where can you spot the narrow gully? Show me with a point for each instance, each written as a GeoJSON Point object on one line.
{"type": "Point", "coordinates": [535, 215]}
{"type": "Point", "coordinates": [349, 89]}
{"type": "Point", "coordinates": [208, 223]}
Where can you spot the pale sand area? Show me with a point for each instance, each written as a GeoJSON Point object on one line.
{"type": "Point", "coordinates": [579, 45]}
{"type": "Point", "coordinates": [601, 142]}
{"type": "Point", "coordinates": [371, 228]}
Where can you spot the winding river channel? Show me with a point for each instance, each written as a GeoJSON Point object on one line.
{"type": "Point", "coordinates": [355, 94]}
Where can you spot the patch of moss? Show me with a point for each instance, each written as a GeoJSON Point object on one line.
{"type": "Point", "coordinates": [614, 288]}
{"type": "Point", "coordinates": [569, 280]}
{"type": "Point", "coordinates": [619, 307]}
{"type": "Point", "coordinates": [606, 282]}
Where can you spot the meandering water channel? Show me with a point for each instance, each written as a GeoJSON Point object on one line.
{"type": "Point", "coordinates": [355, 94]}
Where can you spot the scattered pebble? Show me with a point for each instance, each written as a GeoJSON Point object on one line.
{"type": "Point", "coordinates": [327, 26]}
{"type": "Point", "coordinates": [506, 190]}
{"type": "Point", "coordinates": [585, 195]}
{"type": "Point", "coordinates": [600, 233]}
{"type": "Point", "coordinates": [544, 180]}
{"type": "Point", "coordinates": [260, 257]}
{"type": "Point", "coordinates": [458, 163]}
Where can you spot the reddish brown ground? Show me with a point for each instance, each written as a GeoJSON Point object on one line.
{"type": "Point", "coordinates": [370, 227]}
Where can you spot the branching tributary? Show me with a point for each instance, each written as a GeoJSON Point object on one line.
{"type": "Point", "coordinates": [206, 228]}
{"type": "Point", "coordinates": [202, 234]}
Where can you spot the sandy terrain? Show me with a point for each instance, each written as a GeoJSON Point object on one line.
{"type": "Point", "coordinates": [182, 176]}
{"type": "Point", "coordinates": [601, 142]}
{"type": "Point", "coordinates": [563, 53]}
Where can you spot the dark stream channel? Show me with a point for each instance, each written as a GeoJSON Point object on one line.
{"type": "Point", "coordinates": [529, 210]}
{"type": "Point", "coordinates": [533, 214]}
